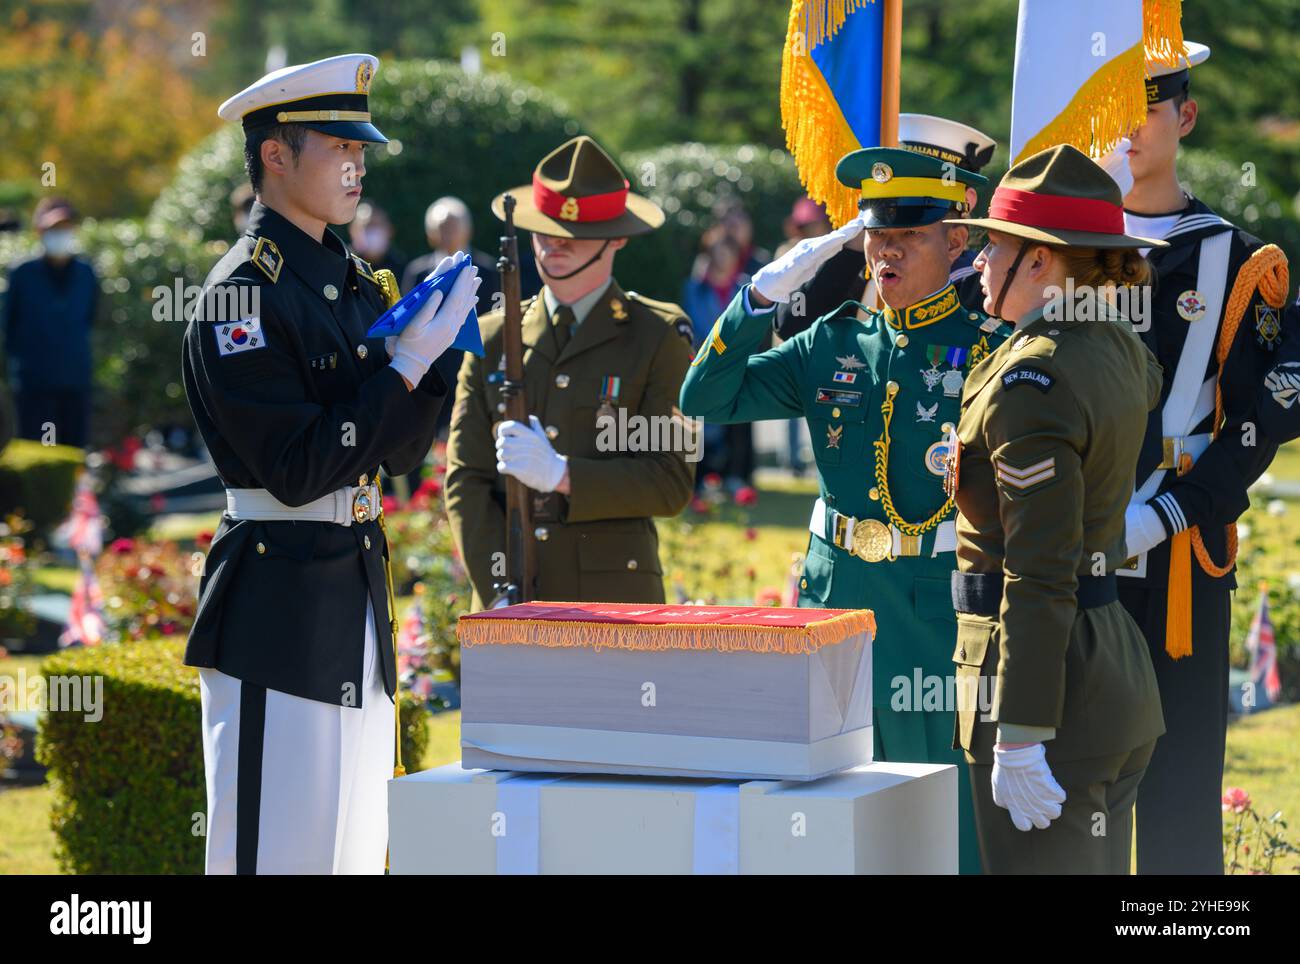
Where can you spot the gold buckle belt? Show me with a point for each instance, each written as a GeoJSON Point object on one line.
{"type": "Point", "coordinates": [872, 540]}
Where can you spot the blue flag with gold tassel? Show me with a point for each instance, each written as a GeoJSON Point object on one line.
{"type": "Point", "coordinates": [831, 87]}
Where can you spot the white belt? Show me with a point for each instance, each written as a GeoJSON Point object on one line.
{"type": "Point", "coordinates": [343, 506]}
{"type": "Point", "coordinates": [864, 538]}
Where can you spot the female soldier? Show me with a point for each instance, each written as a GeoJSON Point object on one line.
{"type": "Point", "coordinates": [1042, 470]}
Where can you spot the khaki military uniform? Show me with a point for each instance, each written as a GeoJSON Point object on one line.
{"type": "Point", "coordinates": [1050, 429]}
{"type": "Point", "coordinates": [599, 543]}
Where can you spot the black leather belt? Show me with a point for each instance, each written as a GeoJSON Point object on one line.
{"type": "Point", "coordinates": [981, 592]}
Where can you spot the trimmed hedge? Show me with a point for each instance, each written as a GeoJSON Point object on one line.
{"type": "Point", "coordinates": [38, 481]}
{"type": "Point", "coordinates": [129, 788]}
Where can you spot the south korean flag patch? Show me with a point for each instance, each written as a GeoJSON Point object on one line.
{"type": "Point", "coordinates": [236, 336]}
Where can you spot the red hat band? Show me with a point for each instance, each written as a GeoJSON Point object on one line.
{"type": "Point", "coordinates": [1055, 212]}
{"type": "Point", "coordinates": [591, 207]}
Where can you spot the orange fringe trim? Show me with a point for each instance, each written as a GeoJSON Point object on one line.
{"type": "Point", "coordinates": [1162, 30]}
{"type": "Point", "coordinates": [561, 633]}
{"type": "Point", "coordinates": [1111, 103]}
{"type": "Point", "coordinates": [816, 133]}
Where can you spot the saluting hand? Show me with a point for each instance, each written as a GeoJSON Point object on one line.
{"type": "Point", "coordinates": [434, 327]}
{"type": "Point", "coordinates": [525, 452]}
{"type": "Point", "coordinates": [1023, 785]}
{"type": "Point", "coordinates": [779, 280]}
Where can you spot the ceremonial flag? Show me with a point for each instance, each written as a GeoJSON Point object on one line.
{"type": "Point", "coordinates": [1262, 647]}
{"type": "Point", "coordinates": [1080, 73]}
{"type": "Point", "coordinates": [839, 90]}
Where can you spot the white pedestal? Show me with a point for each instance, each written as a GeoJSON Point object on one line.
{"type": "Point", "coordinates": [880, 818]}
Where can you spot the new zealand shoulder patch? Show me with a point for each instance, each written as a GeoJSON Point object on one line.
{"type": "Point", "coordinates": [1028, 375]}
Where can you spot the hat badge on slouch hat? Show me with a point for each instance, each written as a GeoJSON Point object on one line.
{"type": "Point", "coordinates": [1060, 196]}
{"type": "Point", "coordinates": [578, 191]}
{"type": "Point", "coordinates": [330, 96]}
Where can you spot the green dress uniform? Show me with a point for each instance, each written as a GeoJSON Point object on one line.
{"type": "Point", "coordinates": [1042, 471]}
{"type": "Point", "coordinates": [598, 543]}
{"type": "Point", "coordinates": [604, 386]}
{"type": "Point", "coordinates": [877, 394]}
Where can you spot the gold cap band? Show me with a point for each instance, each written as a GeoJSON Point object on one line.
{"type": "Point", "coordinates": [286, 116]}
{"type": "Point", "coordinates": [935, 187]}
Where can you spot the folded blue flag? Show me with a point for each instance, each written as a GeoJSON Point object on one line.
{"type": "Point", "coordinates": [396, 318]}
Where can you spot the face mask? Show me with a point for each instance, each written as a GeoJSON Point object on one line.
{"type": "Point", "coordinates": [58, 242]}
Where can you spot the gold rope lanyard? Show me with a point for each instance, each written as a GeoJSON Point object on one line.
{"type": "Point", "coordinates": [882, 477]}
{"type": "Point", "coordinates": [399, 770]}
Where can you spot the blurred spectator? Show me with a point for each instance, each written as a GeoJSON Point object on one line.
{"type": "Point", "coordinates": [241, 203]}
{"type": "Point", "coordinates": [717, 277]}
{"type": "Point", "coordinates": [49, 308]}
{"type": "Point", "coordinates": [807, 219]}
{"type": "Point", "coordinates": [731, 216]}
{"type": "Point", "coordinates": [371, 235]}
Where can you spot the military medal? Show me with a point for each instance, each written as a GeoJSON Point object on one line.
{"type": "Point", "coordinates": [609, 389]}
{"type": "Point", "coordinates": [936, 457]}
{"type": "Point", "coordinates": [616, 307]}
{"type": "Point", "coordinates": [931, 376]}
{"type": "Point", "coordinates": [952, 382]}
{"type": "Point", "coordinates": [924, 414]}
{"type": "Point", "coordinates": [850, 362]}
{"type": "Point", "coordinates": [1191, 306]}
{"type": "Point", "coordinates": [833, 435]}
{"type": "Point", "coordinates": [952, 465]}
{"type": "Point", "coordinates": [847, 378]}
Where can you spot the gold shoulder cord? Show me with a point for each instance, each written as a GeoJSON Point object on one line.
{"type": "Point", "coordinates": [882, 481]}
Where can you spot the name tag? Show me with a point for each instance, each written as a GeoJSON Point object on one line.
{"type": "Point", "coordinates": [837, 396]}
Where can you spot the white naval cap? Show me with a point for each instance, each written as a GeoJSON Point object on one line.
{"type": "Point", "coordinates": [947, 140]}
{"type": "Point", "coordinates": [330, 96]}
{"type": "Point", "coordinates": [1168, 80]}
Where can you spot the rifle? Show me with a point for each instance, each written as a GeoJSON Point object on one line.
{"type": "Point", "coordinates": [521, 553]}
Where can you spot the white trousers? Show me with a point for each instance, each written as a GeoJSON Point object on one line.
{"type": "Point", "coordinates": [296, 786]}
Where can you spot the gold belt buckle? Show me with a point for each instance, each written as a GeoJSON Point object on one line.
{"type": "Point", "coordinates": [1171, 449]}
{"type": "Point", "coordinates": [872, 540]}
{"type": "Point", "coordinates": [363, 507]}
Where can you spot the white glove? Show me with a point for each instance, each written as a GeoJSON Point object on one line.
{"type": "Point", "coordinates": [779, 280]}
{"type": "Point", "coordinates": [525, 452]}
{"type": "Point", "coordinates": [1116, 165]}
{"type": "Point", "coordinates": [1143, 529]}
{"type": "Point", "coordinates": [435, 326]}
{"type": "Point", "coordinates": [1023, 784]}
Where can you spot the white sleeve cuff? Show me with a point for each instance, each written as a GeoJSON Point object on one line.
{"type": "Point", "coordinates": [749, 308]}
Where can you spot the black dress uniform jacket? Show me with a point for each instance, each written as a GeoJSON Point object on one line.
{"type": "Point", "coordinates": [303, 405]}
{"type": "Point", "coordinates": [1213, 493]}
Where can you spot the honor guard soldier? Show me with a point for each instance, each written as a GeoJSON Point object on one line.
{"type": "Point", "coordinates": [1058, 707]}
{"type": "Point", "coordinates": [597, 362]}
{"type": "Point", "coordinates": [1215, 329]}
{"type": "Point", "coordinates": [880, 391]}
{"type": "Point", "coordinates": [299, 410]}
{"type": "Point", "coordinates": [842, 274]}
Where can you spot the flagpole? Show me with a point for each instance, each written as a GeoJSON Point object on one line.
{"type": "Point", "coordinates": [891, 56]}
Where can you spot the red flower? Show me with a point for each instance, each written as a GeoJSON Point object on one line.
{"type": "Point", "coordinates": [430, 486]}
{"type": "Point", "coordinates": [203, 540]}
{"type": "Point", "coordinates": [699, 505]}
{"type": "Point", "coordinates": [713, 481]}
{"type": "Point", "coordinates": [122, 546]}
{"type": "Point", "coordinates": [746, 495]}
{"type": "Point", "coordinates": [390, 504]}
{"type": "Point", "coordinates": [1236, 799]}
{"type": "Point", "coordinates": [751, 534]}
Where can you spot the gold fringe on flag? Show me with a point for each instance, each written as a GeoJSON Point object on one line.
{"type": "Point", "coordinates": [816, 132]}
{"type": "Point", "coordinates": [1162, 30]}
{"type": "Point", "coordinates": [562, 633]}
{"type": "Point", "coordinates": [1108, 106]}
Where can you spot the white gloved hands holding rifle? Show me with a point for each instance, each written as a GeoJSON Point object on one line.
{"type": "Point", "coordinates": [436, 324]}
{"type": "Point", "coordinates": [779, 280]}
